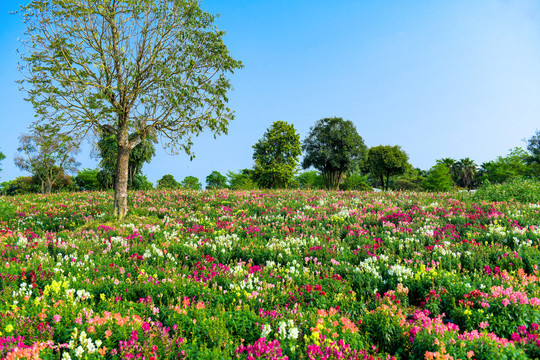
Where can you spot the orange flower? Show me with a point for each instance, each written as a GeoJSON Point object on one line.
{"type": "Point", "coordinates": [103, 351]}
{"type": "Point", "coordinates": [200, 305]}
{"type": "Point", "coordinates": [108, 333]}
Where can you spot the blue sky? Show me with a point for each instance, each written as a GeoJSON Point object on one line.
{"type": "Point", "coordinates": [453, 78]}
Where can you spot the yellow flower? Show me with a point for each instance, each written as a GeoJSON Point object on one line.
{"type": "Point", "coordinates": [9, 328]}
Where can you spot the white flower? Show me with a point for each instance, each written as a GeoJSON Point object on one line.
{"type": "Point", "coordinates": [267, 329]}
{"type": "Point", "coordinates": [79, 351]}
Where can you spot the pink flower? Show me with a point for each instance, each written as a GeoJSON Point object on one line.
{"type": "Point", "coordinates": [77, 320]}
{"type": "Point", "coordinates": [484, 324]}
{"type": "Point", "coordinates": [505, 302]}
{"type": "Point", "coordinates": [56, 318]}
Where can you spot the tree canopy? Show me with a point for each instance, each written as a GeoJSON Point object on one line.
{"type": "Point", "coordinates": [386, 161]}
{"type": "Point", "coordinates": [438, 178]}
{"type": "Point", "coordinates": [333, 147]}
{"type": "Point", "coordinates": [505, 168]}
{"type": "Point", "coordinates": [47, 154]}
{"type": "Point", "coordinates": [168, 182]}
{"type": "Point", "coordinates": [127, 68]}
{"type": "Point", "coordinates": [216, 180]}
{"type": "Point", "coordinates": [276, 156]}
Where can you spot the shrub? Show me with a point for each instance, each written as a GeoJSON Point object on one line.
{"type": "Point", "coordinates": [520, 190]}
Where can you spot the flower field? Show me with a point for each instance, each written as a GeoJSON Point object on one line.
{"type": "Point", "coordinates": [269, 275]}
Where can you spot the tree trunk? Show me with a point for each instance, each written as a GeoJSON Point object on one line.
{"type": "Point", "coordinates": [121, 183]}
{"type": "Point", "coordinates": [48, 187]}
{"type": "Point", "coordinates": [382, 182]}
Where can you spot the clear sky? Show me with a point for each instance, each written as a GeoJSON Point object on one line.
{"type": "Point", "coordinates": [441, 78]}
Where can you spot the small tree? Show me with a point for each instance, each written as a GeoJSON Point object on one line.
{"type": "Point", "coordinates": [127, 68]}
{"type": "Point", "coordinates": [334, 148]}
{"type": "Point", "coordinates": [276, 156]}
{"type": "Point", "coordinates": [451, 164]}
{"type": "Point", "coordinates": [216, 181]}
{"type": "Point", "coordinates": [310, 179]}
{"type": "Point", "coordinates": [438, 179]}
{"type": "Point", "coordinates": [48, 155]}
{"type": "Point", "coordinates": [386, 161]}
{"type": "Point", "coordinates": [191, 183]}
{"type": "Point", "coordinates": [168, 182]}
{"type": "Point", "coordinates": [86, 179]}
{"type": "Point", "coordinates": [241, 180]}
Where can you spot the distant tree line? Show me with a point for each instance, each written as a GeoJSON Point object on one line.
{"type": "Point", "coordinates": [335, 157]}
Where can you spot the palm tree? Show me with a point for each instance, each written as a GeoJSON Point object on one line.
{"type": "Point", "coordinates": [466, 170]}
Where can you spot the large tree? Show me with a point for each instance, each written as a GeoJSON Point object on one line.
{"type": "Point", "coordinates": [384, 161]}
{"type": "Point", "coordinates": [276, 156]}
{"type": "Point", "coordinates": [333, 147]}
{"type": "Point", "coordinates": [107, 147]}
{"type": "Point", "coordinates": [47, 154]}
{"type": "Point", "coordinates": [129, 68]}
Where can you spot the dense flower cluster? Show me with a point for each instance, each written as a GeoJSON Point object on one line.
{"type": "Point", "coordinates": [269, 275]}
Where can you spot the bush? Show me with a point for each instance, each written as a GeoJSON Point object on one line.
{"type": "Point", "coordinates": [87, 179]}
{"type": "Point", "coordinates": [521, 190]}
{"type": "Point", "coordinates": [20, 185]}
{"type": "Point", "coordinates": [310, 180]}
{"type": "Point", "coordinates": [141, 182]}
{"type": "Point", "coordinates": [355, 182]}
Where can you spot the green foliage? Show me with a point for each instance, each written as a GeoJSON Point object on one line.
{"type": "Point", "coordinates": [191, 183]}
{"type": "Point", "coordinates": [533, 147]}
{"type": "Point", "coordinates": [107, 147]}
{"type": "Point", "coordinates": [505, 168]}
{"type": "Point", "coordinates": [386, 161]}
{"type": "Point", "coordinates": [47, 154]}
{"type": "Point", "coordinates": [142, 69]}
{"type": "Point", "coordinates": [276, 156]}
{"type": "Point", "coordinates": [241, 180]}
{"type": "Point", "coordinates": [141, 182]}
{"type": "Point", "coordinates": [333, 147]}
{"type": "Point", "coordinates": [2, 157]}
{"type": "Point", "coordinates": [522, 190]}
{"type": "Point", "coordinates": [410, 180]}
{"type": "Point", "coordinates": [438, 178]}
{"type": "Point", "coordinates": [7, 210]}
{"type": "Point", "coordinates": [216, 180]}
{"type": "Point", "coordinates": [310, 180]}
{"type": "Point", "coordinates": [466, 173]}
{"type": "Point", "coordinates": [87, 179]}
{"type": "Point", "coordinates": [20, 185]}
{"type": "Point", "coordinates": [168, 182]}
{"type": "Point", "coordinates": [356, 182]}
